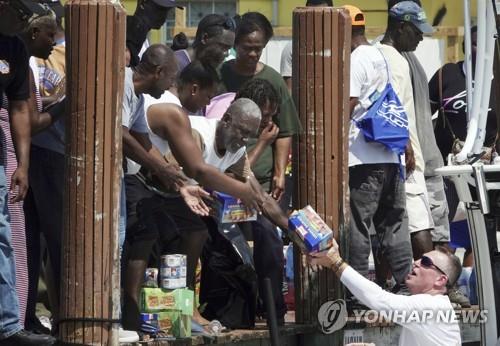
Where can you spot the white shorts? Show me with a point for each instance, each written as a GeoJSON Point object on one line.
{"type": "Point", "coordinates": [417, 203]}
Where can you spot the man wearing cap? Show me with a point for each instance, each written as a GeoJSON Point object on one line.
{"type": "Point", "coordinates": [405, 28]}
{"type": "Point", "coordinates": [377, 192]}
{"type": "Point", "coordinates": [149, 14]}
{"type": "Point", "coordinates": [423, 241]}
{"type": "Point", "coordinates": [14, 84]}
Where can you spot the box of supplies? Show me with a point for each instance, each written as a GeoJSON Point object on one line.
{"type": "Point", "coordinates": [175, 323]}
{"type": "Point", "coordinates": [230, 209]}
{"type": "Point", "coordinates": [158, 299]}
{"type": "Point", "coordinates": [309, 231]}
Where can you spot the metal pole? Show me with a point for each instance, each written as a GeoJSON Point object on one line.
{"type": "Point", "coordinates": [468, 55]}
{"type": "Point", "coordinates": [272, 322]}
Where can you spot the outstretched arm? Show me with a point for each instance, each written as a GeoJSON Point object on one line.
{"type": "Point", "coordinates": [171, 123]}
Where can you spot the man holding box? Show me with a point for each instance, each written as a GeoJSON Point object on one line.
{"type": "Point", "coordinates": [427, 316]}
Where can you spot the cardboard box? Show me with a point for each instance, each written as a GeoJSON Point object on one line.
{"type": "Point", "coordinates": [175, 323]}
{"type": "Point", "coordinates": [309, 231]}
{"type": "Point", "coordinates": [158, 299]}
{"type": "Point", "coordinates": [231, 210]}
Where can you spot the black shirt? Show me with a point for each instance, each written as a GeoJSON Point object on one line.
{"type": "Point", "coordinates": [137, 32]}
{"type": "Point", "coordinates": [14, 67]}
{"type": "Point", "coordinates": [455, 108]}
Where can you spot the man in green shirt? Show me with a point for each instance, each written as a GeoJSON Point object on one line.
{"type": "Point", "coordinates": [252, 35]}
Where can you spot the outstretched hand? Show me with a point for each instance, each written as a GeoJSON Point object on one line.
{"type": "Point", "coordinates": [170, 175]}
{"type": "Point", "coordinates": [193, 195]}
{"type": "Point", "coordinates": [326, 258]}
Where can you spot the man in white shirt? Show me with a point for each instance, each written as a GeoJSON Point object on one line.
{"type": "Point", "coordinates": [405, 29]}
{"type": "Point", "coordinates": [432, 320]}
{"type": "Point", "coordinates": [377, 191]}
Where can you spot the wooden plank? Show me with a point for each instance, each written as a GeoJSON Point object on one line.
{"type": "Point", "coordinates": [327, 157]}
{"type": "Point", "coordinates": [88, 177]}
{"type": "Point", "coordinates": [303, 300]}
{"type": "Point", "coordinates": [68, 304]}
{"type": "Point", "coordinates": [296, 161]}
{"type": "Point", "coordinates": [99, 333]}
{"type": "Point", "coordinates": [311, 283]}
{"type": "Point", "coordinates": [116, 166]}
{"type": "Point", "coordinates": [107, 164]}
{"type": "Point", "coordinates": [319, 79]}
{"type": "Point", "coordinates": [345, 30]}
{"type": "Point", "coordinates": [80, 174]}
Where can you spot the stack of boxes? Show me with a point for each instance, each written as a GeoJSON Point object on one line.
{"type": "Point", "coordinates": [167, 308]}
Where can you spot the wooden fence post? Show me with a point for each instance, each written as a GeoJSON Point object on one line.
{"type": "Point", "coordinates": [95, 60]}
{"type": "Point", "coordinates": [321, 62]}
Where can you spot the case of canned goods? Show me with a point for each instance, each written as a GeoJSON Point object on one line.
{"type": "Point", "coordinates": [173, 260]}
{"type": "Point", "coordinates": [173, 272]}
{"type": "Point", "coordinates": [173, 283]}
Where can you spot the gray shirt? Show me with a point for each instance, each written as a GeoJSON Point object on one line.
{"type": "Point", "coordinates": [133, 116]}
{"type": "Point", "coordinates": [430, 152]}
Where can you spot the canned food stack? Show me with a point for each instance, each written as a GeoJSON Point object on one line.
{"type": "Point", "coordinates": [167, 307]}
{"type": "Point", "coordinates": [173, 271]}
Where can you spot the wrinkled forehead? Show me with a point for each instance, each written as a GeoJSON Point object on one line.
{"type": "Point", "coordinates": [438, 258]}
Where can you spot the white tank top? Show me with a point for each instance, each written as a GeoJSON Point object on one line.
{"type": "Point", "coordinates": [206, 128]}
{"type": "Point", "coordinates": [167, 97]}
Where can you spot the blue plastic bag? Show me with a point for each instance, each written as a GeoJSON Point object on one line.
{"type": "Point", "coordinates": [386, 122]}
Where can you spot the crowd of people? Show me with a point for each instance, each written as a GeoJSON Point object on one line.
{"type": "Point", "coordinates": [195, 121]}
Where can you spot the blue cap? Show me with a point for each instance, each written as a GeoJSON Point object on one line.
{"type": "Point", "coordinates": [409, 11]}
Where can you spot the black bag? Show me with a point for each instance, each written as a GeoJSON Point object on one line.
{"type": "Point", "coordinates": [228, 290]}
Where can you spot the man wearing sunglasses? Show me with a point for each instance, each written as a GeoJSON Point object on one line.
{"type": "Point", "coordinates": [428, 282]}
{"type": "Point", "coordinates": [14, 85]}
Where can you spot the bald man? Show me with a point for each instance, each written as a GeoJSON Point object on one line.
{"type": "Point", "coordinates": [223, 145]}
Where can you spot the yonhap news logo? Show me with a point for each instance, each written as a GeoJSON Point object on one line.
{"type": "Point", "coordinates": [402, 317]}
{"type": "Point", "coordinates": [332, 316]}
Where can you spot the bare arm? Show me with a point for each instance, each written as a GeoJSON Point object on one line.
{"type": "Point", "coordinates": [21, 138]}
{"type": "Point", "coordinates": [281, 150]}
{"type": "Point", "coordinates": [171, 123]}
{"type": "Point", "coordinates": [139, 148]}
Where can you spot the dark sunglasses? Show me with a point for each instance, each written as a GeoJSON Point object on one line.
{"type": "Point", "coordinates": [428, 263]}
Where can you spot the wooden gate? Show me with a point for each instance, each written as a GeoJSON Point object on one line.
{"type": "Point", "coordinates": [95, 40]}
{"type": "Point", "coordinates": [321, 61]}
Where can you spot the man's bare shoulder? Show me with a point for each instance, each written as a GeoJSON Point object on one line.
{"type": "Point", "coordinates": [169, 111]}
